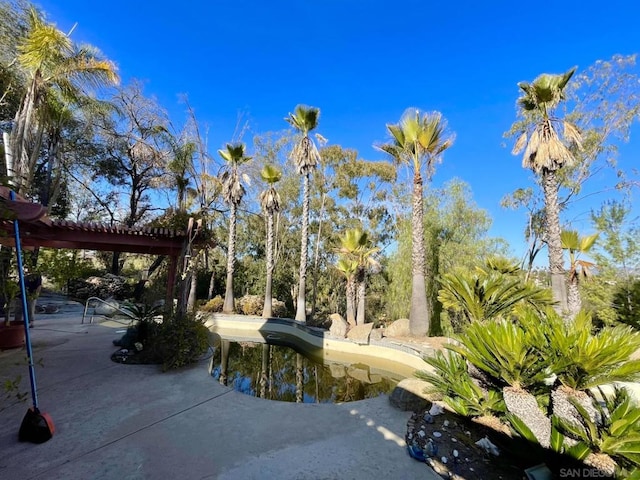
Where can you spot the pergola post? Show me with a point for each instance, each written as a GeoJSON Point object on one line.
{"type": "Point", "coordinates": [171, 283]}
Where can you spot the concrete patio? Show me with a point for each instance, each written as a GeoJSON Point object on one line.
{"type": "Point", "coordinates": [116, 421]}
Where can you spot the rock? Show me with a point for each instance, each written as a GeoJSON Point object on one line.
{"type": "Point", "coordinates": [436, 434]}
{"type": "Point", "coordinates": [338, 326]}
{"type": "Point", "coordinates": [376, 334]}
{"type": "Point", "coordinates": [409, 395]}
{"type": "Point", "coordinates": [360, 333]}
{"type": "Point", "coordinates": [399, 328]}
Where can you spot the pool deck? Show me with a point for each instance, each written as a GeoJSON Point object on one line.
{"type": "Point", "coordinates": [116, 421]}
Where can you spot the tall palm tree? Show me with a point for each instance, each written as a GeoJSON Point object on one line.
{"type": "Point", "coordinates": [270, 202]}
{"type": "Point", "coordinates": [419, 140]}
{"type": "Point", "coordinates": [546, 152]}
{"type": "Point", "coordinates": [578, 268]}
{"type": "Point", "coordinates": [53, 65]}
{"type": "Point", "coordinates": [232, 191]}
{"type": "Point", "coordinates": [355, 246]}
{"type": "Point", "coordinates": [306, 157]}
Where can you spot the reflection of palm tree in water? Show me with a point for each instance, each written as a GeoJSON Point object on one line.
{"type": "Point", "coordinates": [350, 390]}
{"type": "Point", "coordinates": [299, 378]}
{"type": "Point", "coordinates": [224, 361]}
{"type": "Point", "coordinates": [264, 373]}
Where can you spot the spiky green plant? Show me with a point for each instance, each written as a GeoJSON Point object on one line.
{"type": "Point", "coordinates": [583, 360]}
{"type": "Point", "coordinates": [488, 294]}
{"type": "Point", "coordinates": [451, 380]}
{"type": "Point", "coordinates": [510, 352]}
{"type": "Point", "coordinates": [617, 434]}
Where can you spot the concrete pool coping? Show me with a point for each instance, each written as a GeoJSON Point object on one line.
{"type": "Point", "coordinates": [386, 354]}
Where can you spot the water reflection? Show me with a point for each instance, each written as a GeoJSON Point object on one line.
{"type": "Point", "coordinates": [277, 372]}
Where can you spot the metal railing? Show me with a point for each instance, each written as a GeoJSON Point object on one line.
{"type": "Point", "coordinates": [110, 305]}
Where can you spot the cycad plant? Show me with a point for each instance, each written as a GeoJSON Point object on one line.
{"type": "Point", "coordinates": [616, 434]}
{"type": "Point", "coordinates": [488, 293]}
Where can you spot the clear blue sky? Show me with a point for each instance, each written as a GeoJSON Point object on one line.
{"type": "Point", "coordinates": [362, 62]}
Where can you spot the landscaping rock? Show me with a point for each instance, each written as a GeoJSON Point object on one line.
{"type": "Point", "coordinates": [409, 395]}
{"type": "Point", "coordinates": [360, 333]}
{"type": "Point", "coordinates": [338, 326]}
{"type": "Point", "coordinates": [399, 328]}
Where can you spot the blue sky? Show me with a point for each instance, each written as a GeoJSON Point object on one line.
{"type": "Point", "coordinates": [362, 63]}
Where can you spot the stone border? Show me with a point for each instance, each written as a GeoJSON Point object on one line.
{"type": "Point", "coordinates": [384, 355]}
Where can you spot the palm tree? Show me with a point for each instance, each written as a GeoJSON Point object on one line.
{"type": "Point", "coordinates": [578, 269]}
{"type": "Point", "coordinates": [232, 191]}
{"type": "Point", "coordinates": [418, 140]}
{"type": "Point", "coordinates": [306, 156]}
{"type": "Point", "coordinates": [546, 152]}
{"type": "Point", "coordinates": [53, 66]}
{"type": "Point", "coordinates": [270, 202]}
{"type": "Point", "coordinates": [355, 247]}
{"type": "Point", "coordinates": [348, 268]}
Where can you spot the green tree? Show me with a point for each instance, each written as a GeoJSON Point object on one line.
{"type": "Point", "coordinates": [55, 68]}
{"type": "Point", "coordinates": [305, 156]}
{"type": "Point", "coordinates": [233, 191]}
{"type": "Point", "coordinates": [270, 201]}
{"type": "Point", "coordinates": [418, 140]}
{"type": "Point", "coordinates": [578, 268]}
{"type": "Point", "coordinates": [546, 152]}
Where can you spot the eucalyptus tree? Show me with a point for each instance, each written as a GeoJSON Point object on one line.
{"type": "Point", "coordinates": [270, 203]}
{"type": "Point", "coordinates": [232, 191]}
{"type": "Point", "coordinates": [305, 155]}
{"type": "Point", "coordinates": [578, 268]}
{"type": "Point", "coordinates": [546, 152]}
{"type": "Point", "coordinates": [419, 140]}
{"type": "Point", "coordinates": [56, 70]}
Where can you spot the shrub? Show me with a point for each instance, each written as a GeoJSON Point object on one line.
{"type": "Point", "coordinates": [179, 342]}
{"type": "Point", "coordinates": [214, 305]}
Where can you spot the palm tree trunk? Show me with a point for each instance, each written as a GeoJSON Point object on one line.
{"type": "Point", "coordinates": [574, 302]}
{"type": "Point", "coordinates": [554, 244]}
{"type": "Point", "coordinates": [351, 295]}
{"type": "Point", "coordinates": [229, 306]}
{"type": "Point", "coordinates": [193, 284]}
{"type": "Point", "coordinates": [267, 311]}
{"type": "Point", "coordinates": [301, 306]}
{"type": "Point", "coordinates": [419, 313]}
{"type": "Point", "coordinates": [360, 315]}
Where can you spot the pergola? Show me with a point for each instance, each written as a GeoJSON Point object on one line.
{"type": "Point", "coordinates": [38, 230]}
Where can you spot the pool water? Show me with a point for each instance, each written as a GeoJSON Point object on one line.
{"type": "Point", "coordinates": [279, 372]}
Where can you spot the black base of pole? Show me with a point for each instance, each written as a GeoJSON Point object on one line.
{"type": "Point", "coordinates": [36, 427]}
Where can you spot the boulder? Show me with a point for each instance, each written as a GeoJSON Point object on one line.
{"type": "Point", "coordinates": [409, 395]}
{"type": "Point", "coordinates": [338, 326]}
{"type": "Point", "coordinates": [376, 334]}
{"type": "Point", "coordinates": [399, 328]}
{"type": "Point", "coordinates": [360, 333]}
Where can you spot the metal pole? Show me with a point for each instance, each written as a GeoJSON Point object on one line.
{"type": "Point", "coordinates": [25, 309]}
